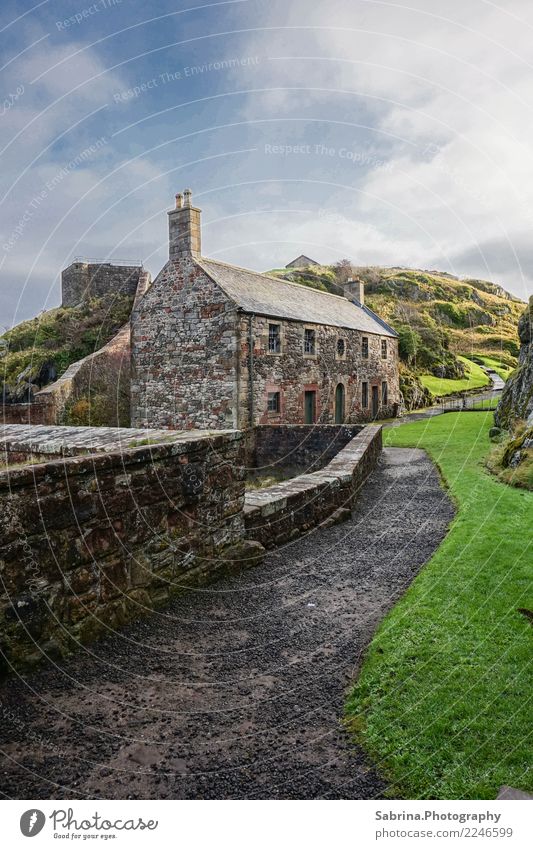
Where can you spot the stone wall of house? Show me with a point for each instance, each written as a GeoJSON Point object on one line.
{"type": "Point", "coordinates": [191, 363]}
{"type": "Point", "coordinates": [292, 373]}
{"type": "Point", "coordinates": [93, 540]}
{"type": "Point", "coordinates": [284, 512]}
{"type": "Point", "coordinates": [301, 446]}
{"type": "Point", "coordinates": [82, 280]}
{"type": "Point", "coordinates": [184, 356]}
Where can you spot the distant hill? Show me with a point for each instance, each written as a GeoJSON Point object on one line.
{"type": "Point", "coordinates": [438, 317]}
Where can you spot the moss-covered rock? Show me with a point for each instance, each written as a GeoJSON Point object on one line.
{"type": "Point", "coordinates": [517, 398]}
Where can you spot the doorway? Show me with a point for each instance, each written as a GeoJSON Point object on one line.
{"type": "Point", "coordinates": [375, 402]}
{"type": "Point", "coordinates": [309, 407]}
{"type": "Point", "coordinates": [339, 404]}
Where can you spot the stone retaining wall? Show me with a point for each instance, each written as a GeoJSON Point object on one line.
{"type": "Point", "coordinates": [93, 540]}
{"type": "Point", "coordinates": [283, 512]}
{"type": "Point", "coordinates": [303, 446]}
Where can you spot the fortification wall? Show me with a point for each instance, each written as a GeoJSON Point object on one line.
{"type": "Point", "coordinates": [93, 540]}
{"type": "Point", "coordinates": [82, 280]}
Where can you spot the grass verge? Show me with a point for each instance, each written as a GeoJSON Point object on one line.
{"type": "Point", "coordinates": [503, 369]}
{"type": "Point", "coordinates": [443, 701]}
{"type": "Point", "coordinates": [475, 378]}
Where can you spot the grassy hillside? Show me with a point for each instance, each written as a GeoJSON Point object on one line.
{"type": "Point", "coordinates": [440, 320]}
{"type": "Point", "coordinates": [36, 352]}
{"type": "Point", "coordinates": [475, 378]}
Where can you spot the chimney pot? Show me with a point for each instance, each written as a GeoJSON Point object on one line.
{"type": "Point", "coordinates": [184, 228]}
{"type": "Point", "coordinates": [355, 290]}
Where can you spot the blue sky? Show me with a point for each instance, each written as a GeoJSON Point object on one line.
{"type": "Point", "coordinates": [386, 133]}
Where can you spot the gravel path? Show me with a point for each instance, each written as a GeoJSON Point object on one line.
{"type": "Point", "coordinates": [235, 691]}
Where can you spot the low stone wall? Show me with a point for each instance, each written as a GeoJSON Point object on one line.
{"type": "Point", "coordinates": [93, 540]}
{"type": "Point", "coordinates": [105, 371]}
{"type": "Point", "coordinates": [284, 512]}
{"type": "Point", "coordinates": [38, 412]}
{"type": "Point", "coordinates": [309, 447]}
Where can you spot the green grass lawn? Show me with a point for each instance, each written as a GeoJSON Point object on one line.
{"type": "Point", "coordinates": [475, 378]}
{"type": "Point", "coordinates": [444, 699]}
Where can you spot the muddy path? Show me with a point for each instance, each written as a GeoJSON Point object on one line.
{"type": "Point", "coordinates": [237, 690]}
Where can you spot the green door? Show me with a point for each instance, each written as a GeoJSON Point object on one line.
{"type": "Point", "coordinates": [339, 404]}
{"type": "Point", "coordinates": [375, 402]}
{"type": "Point", "coordinates": [310, 407]}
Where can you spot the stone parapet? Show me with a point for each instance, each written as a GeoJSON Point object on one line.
{"type": "Point", "coordinates": [105, 532]}
{"type": "Point", "coordinates": [277, 514]}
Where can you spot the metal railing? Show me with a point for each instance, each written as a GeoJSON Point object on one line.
{"type": "Point", "coordinates": [452, 405]}
{"type": "Point", "coordinates": [110, 261]}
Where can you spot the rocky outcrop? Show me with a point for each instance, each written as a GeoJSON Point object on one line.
{"type": "Point", "coordinates": [517, 398]}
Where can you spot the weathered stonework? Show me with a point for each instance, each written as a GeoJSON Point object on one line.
{"type": "Point", "coordinates": [296, 446]}
{"type": "Point", "coordinates": [95, 539]}
{"type": "Point", "coordinates": [201, 354]}
{"type": "Point", "coordinates": [184, 357]}
{"type": "Point", "coordinates": [82, 280]}
{"type": "Point", "coordinates": [292, 373]}
{"type": "Point", "coordinates": [284, 512]}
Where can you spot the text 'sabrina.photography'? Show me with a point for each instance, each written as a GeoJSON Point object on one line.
{"type": "Point", "coordinates": [266, 423]}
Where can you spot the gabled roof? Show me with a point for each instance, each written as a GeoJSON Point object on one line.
{"type": "Point", "coordinates": [301, 260]}
{"type": "Point", "coordinates": [263, 295]}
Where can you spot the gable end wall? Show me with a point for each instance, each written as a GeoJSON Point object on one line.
{"type": "Point", "coordinates": [184, 363]}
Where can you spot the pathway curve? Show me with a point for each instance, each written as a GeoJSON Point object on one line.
{"type": "Point", "coordinates": [235, 691]}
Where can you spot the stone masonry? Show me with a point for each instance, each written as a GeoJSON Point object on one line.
{"type": "Point", "coordinates": [100, 525]}
{"type": "Point", "coordinates": [217, 346]}
{"type": "Point", "coordinates": [82, 280]}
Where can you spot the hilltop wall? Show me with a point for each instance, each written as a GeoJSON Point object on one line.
{"type": "Point", "coordinates": [82, 280]}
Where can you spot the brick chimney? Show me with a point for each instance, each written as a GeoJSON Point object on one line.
{"type": "Point", "coordinates": [355, 291]}
{"type": "Point", "coordinates": [184, 228]}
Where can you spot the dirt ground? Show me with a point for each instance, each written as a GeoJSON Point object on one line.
{"type": "Point", "coordinates": [236, 690]}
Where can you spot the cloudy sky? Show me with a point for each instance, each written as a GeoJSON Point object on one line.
{"type": "Point", "coordinates": [390, 133]}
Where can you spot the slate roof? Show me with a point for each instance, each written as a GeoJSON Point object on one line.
{"type": "Point", "coordinates": [263, 295]}
{"type": "Point", "coordinates": [301, 260]}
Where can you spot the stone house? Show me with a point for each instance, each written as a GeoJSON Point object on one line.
{"type": "Point", "coordinates": [301, 261]}
{"type": "Point", "coordinates": [217, 346]}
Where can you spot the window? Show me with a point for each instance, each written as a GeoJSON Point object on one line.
{"type": "Point", "coordinates": [364, 396]}
{"type": "Point", "coordinates": [383, 349]}
{"type": "Point", "coordinates": [273, 402]}
{"type": "Point", "coordinates": [341, 347]}
{"type": "Point", "coordinates": [384, 393]}
{"type": "Point", "coordinates": [364, 347]}
{"type": "Point", "coordinates": [309, 341]}
{"type": "Point", "coordinates": [274, 338]}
